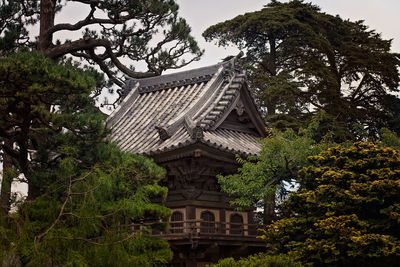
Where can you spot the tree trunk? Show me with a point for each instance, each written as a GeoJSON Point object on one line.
{"type": "Point", "coordinates": [269, 209]}
{"type": "Point", "coordinates": [6, 181]}
{"type": "Point", "coordinates": [272, 56]}
{"type": "Point", "coordinates": [272, 69]}
{"type": "Point", "coordinates": [47, 14]}
{"type": "Point", "coordinates": [271, 107]}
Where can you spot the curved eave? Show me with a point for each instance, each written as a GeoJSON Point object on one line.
{"type": "Point", "coordinates": [228, 141]}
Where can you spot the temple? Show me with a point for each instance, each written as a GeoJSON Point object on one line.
{"type": "Point", "coordinates": [194, 123]}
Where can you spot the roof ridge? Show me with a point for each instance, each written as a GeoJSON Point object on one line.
{"type": "Point", "coordinates": [175, 83]}
{"type": "Point", "coordinates": [178, 79]}
{"type": "Point", "coordinates": [225, 102]}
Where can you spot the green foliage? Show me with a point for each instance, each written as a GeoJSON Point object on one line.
{"type": "Point", "coordinates": [259, 260]}
{"type": "Point", "coordinates": [299, 57]}
{"type": "Point", "coordinates": [90, 216]}
{"type": "Point", "coordinates": [88, 203]}
{"type": "Point", "coordinates": [389, 139]}
{"type": "Point", "coordinates": [282, 155]}
{"type": "Point", "coordinates": [393, 103]}
{"type": "Point", "coordinates": [13, 33]}
{"type": "Point", "coordinates": [346, 212]}
{"type": "Point", "coordinates": [38, 100]}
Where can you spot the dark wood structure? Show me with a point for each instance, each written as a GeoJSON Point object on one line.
{"type": "Point", "coordinates": [193, 123]}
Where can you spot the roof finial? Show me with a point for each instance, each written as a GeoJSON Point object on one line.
{"type": "Point", "coordinates": [194, 128]}
{"type": "Point", "coordinates": [235, 59]}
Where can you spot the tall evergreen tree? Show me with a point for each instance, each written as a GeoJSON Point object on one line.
{"type": "Point", "coordinates": [301, 61]}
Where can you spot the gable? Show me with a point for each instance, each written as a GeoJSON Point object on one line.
{"type": "Point", "coordinates": [239, 120]}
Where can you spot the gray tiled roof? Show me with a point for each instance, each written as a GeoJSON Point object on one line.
{"type": "Point", "coordinates": [170, 111]}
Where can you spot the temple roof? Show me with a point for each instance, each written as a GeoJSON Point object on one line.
{"type": "Point", "coordinates": [167, 112]}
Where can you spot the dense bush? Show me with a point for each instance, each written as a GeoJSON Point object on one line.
{"type": "Point", "coordinates": [346, 212]}
{"type": "Point", "coordinates": [259, 260]}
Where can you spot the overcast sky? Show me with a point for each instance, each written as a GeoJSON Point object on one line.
{"type": "Point", "coordinates": [380, 15]}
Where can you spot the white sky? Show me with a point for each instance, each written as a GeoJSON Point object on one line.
{"type": "Point", "coordinates": [380, 15]}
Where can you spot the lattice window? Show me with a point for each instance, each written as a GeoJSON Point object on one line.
{"type": "Point", "coordinates": [176, 224]}
{"type": "Point", "coordinates": [207, 224]}
{"type": "Point", "coordinates": [236, 224]}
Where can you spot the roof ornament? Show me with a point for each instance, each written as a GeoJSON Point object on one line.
{"type": "Point", "coordinates": [130, 84]}
{"type": "Point", "coordinates": [232, 68]}
{"type": "Point", "coordinates": [241, 54]}
{"type": "Point", "coordinates": [163, 133]}
{"type": "Point", "coordinates": [240, 109]}
{"type": "Point", "coordinates": [194, 129]}
{"type": "Point", "coordinates": [235, 60]}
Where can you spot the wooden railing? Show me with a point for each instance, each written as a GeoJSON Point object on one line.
{"type": "Point", "coordinates": [211, 228]}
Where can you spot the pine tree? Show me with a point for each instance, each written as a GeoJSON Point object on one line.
{"type": "Point", "coordinates": [88, 202]}
{"type": "Point", "coordinates": [116, 35]}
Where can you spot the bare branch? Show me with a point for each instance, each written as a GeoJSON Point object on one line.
{"type": "Point", "coordinates": [89, 44]}
{"type": "Point", "coordinates": [360, 85]}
